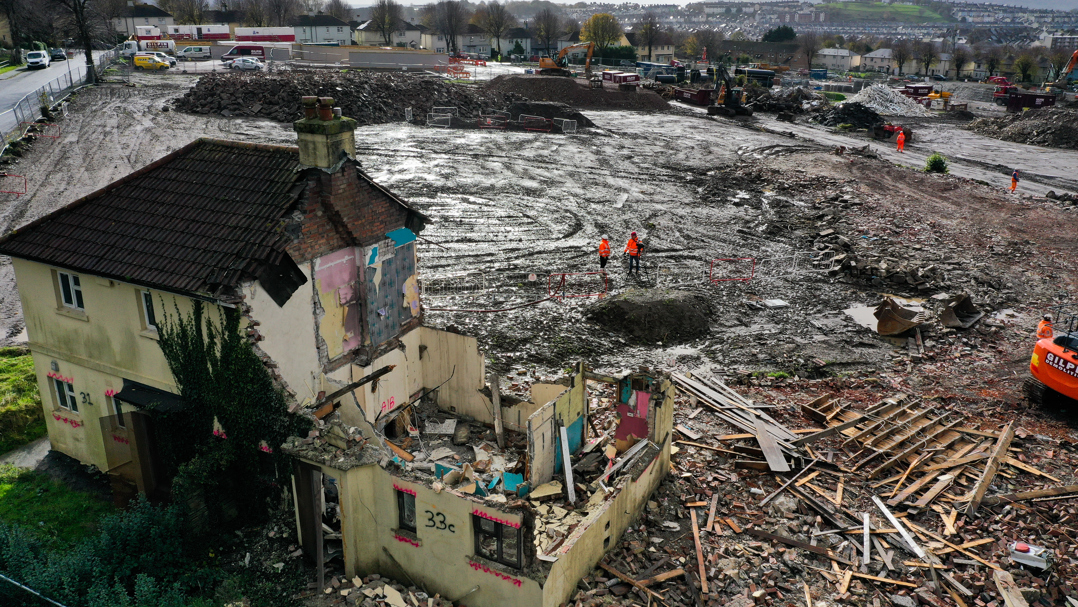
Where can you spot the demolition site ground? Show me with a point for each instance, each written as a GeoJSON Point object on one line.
{"type": "Point", "coordinates": [764, 249]}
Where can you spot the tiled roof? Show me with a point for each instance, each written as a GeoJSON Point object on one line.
{"type": "Point", "coordinates": [145, 10]}
{"type": "Point", "coordinates": [205, 217]}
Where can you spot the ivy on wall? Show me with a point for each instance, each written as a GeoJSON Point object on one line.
{"type": "Point", "coordinates": [220, 377]}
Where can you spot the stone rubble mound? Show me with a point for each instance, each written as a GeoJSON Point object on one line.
{"type": "Point", "coordinates": [795, 100]}
{"type": "Point", "coordinates": [855, 114]}
{"type": "Point", "coordinates": [368, 97]}
{"type": "Point", "coordinates": [576, 92]}
{"type": "Point", "coordinates": [888, 101]}
{"type": "Point", "coordinates": [1049, 127]}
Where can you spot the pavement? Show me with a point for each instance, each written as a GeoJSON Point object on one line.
{"type": "Point", "coordinates": [27, 456]}
{"type": "Point", "coordinates": [21, 82]}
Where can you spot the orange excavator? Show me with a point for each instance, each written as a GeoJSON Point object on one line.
{"type": "Point", "coordinates": [1061, 78]}
{"type": "Point", "coordinates": [560, 65]}
{"type": "Point", "coordinates": [1054, 366]}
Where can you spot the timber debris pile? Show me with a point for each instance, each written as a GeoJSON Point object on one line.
{"type": "Point", "coordinates": [1049, 127]}
{"type": "Point", "coordinates": [367, 97]}
{"type": "Point", "coordinates": [901, 501]}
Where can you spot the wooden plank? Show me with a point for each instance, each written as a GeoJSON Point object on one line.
{"type": "Point", "coordinates": [711, 515]}
{"type": "Point", "coordinates": [846, 577]}
{"type": "Point", "coordinates": [883, 407]}
{"type": "Point", "coordinates": [662, 577]}
{"type": "Point", "coordinates": [1024, 466]}
{"type": "Point", "coordinates": [907, 423]}
{"type": "Point", "coordinates": [690, 434]}
{"type": "Point", "coordinates": [784, 485]}
{"type": "Point", "coordinates": [733, 525]}
{"type": "Point", "coordinates": [630, 581]}
{"type": "Point", "coordinates": [954, 463]}
{"type": "Point", "coordinates": [954, 595]}
{"type": "Point", "coordinates": [917, 446]}
{"type": "Point", "coordinates": [998, 453]}
{"type": "Point", "coordinates": [924, 565]}
{"type": "Point", "coordinates": [1029, 495]}
{"type": "Point", "coordinates": [708, 447]}
{"type": "Point", "coordinates": [808, 595]}
{"type": "Point", "coordinates": [914, 488]}
{"type": "Point", "coordinates": [922, 531]}
{"type": "Point", "coordinates": [913, 465]}
{"type": "Point", "coordinates": [838, 493]}
{"type": "Point", "coordinates": [941, 484]}
{"type": "Point", "coordinates": [972, 544]}
{"type": "Point", "coordinates": [889, 418]}
{"type": "Point", "coordinates": [401, 453]}
{"type": "Point", "coordinates": [796, 544]}
{"type": "Point", "coordinates": [808, 478]}
{"type": "Point", "coordinates": [866, 548]}
{"type": "Point", "coordinates": [948, 523]}
{"type": "Point", "coordinates": [901, 530]}
{"type": "Point", "coordinates": [1012, 597]}
{"type": "Point", "coordinates": [699, 551]}
{"type": "Point", "coordinates": [865, 576]}
{"type": "Point", "coordinates": [775, 459]}
{"type": "Point", "coordinates": [570, 486]}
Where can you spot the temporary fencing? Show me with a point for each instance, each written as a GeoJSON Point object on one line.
{"type": "Point", "coordinates": [440, 120]}
{"type": "Point", "coordinates": [10, 184]}
{"type": "Point", "coordinates": [536, 123]}
{"type": "Point", "coordinates": [567, 126]}
{"type": "Point", "coordinates": [494, 120]}
{"type": "Point", "coordinates": [577, 284]}
{"type": "Point", "coordinates": [732, 269]}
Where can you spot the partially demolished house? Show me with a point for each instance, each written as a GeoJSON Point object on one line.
{"type": "Point", "coordinates": [417, 467]}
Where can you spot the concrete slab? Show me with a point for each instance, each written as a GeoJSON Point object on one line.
{"type": "Point", "coordinates": [28, 456]}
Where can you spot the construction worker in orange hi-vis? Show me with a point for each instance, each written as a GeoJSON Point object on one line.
{"type": "Point", "coordinates": [633, 249]}
{"type": "Point", "coordinates": [1044, 328]}
{"type": "Point", "coordinates": [1014, 180]}
{"type": "Point", "coordinates": [604, 252]}
{"type": "Point", "coordinates": [901, 141]}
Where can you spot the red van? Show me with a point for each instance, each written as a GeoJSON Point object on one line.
{"type": "Point", "coordinates": [245, 50]}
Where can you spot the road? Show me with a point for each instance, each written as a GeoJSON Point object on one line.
{"type": "Point", "coordinates": [21, 82]}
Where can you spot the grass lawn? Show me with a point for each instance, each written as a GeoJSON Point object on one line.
{"type": "Point", "coordinates": [58, 515]}
{"type": "Point", "coordinates": [4, 70]}
{"type": "Point", "coordinates": [876, 11]}
{"type": "Point", "coordinates": [21, 417]}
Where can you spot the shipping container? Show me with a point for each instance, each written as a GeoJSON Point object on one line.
{"type": "Point", "coordinates": [696, 97]}
{"type": "Point", "coordinates": [1018, 101]}
{"type": "Point", "coordinates": [265, 34]}
{"type": "Point", "coordinates": [147, 32]}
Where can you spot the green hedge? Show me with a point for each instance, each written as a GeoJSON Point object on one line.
{"type": "Point", "coordinates": [21, 417]}
{"type": "Point", "coordinates": [834, 96]}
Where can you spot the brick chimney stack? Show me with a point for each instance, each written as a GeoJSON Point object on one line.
{"type": "Point", "coordinates": [324, 136]}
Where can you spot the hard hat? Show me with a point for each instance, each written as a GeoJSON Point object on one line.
{"type": "Point", "coordinates": [633, 234]}
{"type": "Point", "coordinates": [605, 237]}
{"type": "Point", "coordinates": [1048, 317]}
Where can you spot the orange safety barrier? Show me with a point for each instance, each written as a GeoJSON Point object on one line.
{"type": "Point", "coordinates": [5, 178]}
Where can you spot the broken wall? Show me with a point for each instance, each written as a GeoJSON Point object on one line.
{"type": "Point", "coordinates": [544, 437]}
{"type": "Point", "coordinates": [391, 391]}
{"type": "Point", "coordinates": [455, 361]}
{"type": "Point", "coordinates": [390, 286]}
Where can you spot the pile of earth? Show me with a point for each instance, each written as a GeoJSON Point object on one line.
{"type": "Point", "coordinates": [547, 109]}
{"type": "Point", "coordinates": [1049, 127]}
{"type": "Point", "coordinates": [795, 100]}
{"type": "Point", "coordinates": [368, 97]}
{"type": "Point", "coordinates": [654, 315]}
{"type": "Point", "coordinates": [855, 114]}
{"type": "Point", "coordinates": [576, 93]}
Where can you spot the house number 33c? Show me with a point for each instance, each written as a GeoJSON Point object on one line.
{"type": "Point", "coordinates": [437, 520]}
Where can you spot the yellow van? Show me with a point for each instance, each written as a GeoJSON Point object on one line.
{"type": "Point", "coordinates": [149, 62]}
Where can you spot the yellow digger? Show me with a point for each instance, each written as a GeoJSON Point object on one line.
{"type": "Point", "coordinates": [560, 66]}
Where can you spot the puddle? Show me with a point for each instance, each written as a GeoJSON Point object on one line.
{"type": "Point", "coordinates": [863, 315]}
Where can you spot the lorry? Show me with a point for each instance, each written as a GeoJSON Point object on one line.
{"type": "Point", "coordinates": [130, 47]}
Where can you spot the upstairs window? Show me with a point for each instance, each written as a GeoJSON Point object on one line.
{"type": "Point", "coordinates": [70, 290]}
{"type": "Point", "coordinates": [149, 319]}
{"type": "Point", "coordinates": [497, 542]}
{"type": "Point", "coordinates": [65, 395]}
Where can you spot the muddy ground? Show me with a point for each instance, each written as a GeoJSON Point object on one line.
{"type": "Point", "coordinates": [515, 210]}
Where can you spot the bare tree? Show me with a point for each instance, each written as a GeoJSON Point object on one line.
{"type": "Point", "coordinates": [649, 32]}
{"type": "Point", "coordinates": [1058, 60]}
{"type": "Point", "coordinates": [1024, 65]}
{"type": "Point", "coordinates": [18, 14]}
{"type": "Point", "coordinates": [708, 39]}
{"type": "Point", "coordinates": [385, 18]}
{"type": "Point", "coordinates": [189, 11]}
{"type": "Point", "coordinates": [312, 7]}
{"type": "Point", "coordinates": [281, 12]}
{"type": "Point", "coordinates": [548, 27]}
{"type": "Point", "coordinates": [992, 57]}
{"type": "Point", "coordinates": [959, 57]}
{"type": "Point", "coordinates": [448, 18]}
{"type": "Point", "coordinates": [928, 54]}
{"type": "Point", "coordinates": [255, 12]}
{"type": "Point", "coordinates": [603, 29]}
{"type": "Point", "coordinates": [338, 9]}
{"type": "Point", "coordinates": [810, 45]}
{"type": "Point", "coordinates": [496, 22]}
{"type": "Point", "coordinates": [80, 13]}
{"type": "Point", "coordinates": [901, 52]}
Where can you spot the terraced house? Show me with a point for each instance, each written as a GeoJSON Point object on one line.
{"type": "Point", "coordinates": [418, 469]}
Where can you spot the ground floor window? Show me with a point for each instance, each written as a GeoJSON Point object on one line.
{"type": "Point", "coordinates": [405, 511]}
{"type": "Point", "coordinates": [65, 395]}
{"type": "Point", "coordinates": [497, 542]}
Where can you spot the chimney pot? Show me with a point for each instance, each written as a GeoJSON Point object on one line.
{"type": "Point", "coordinates": [336, 112]}
{"type": "Point", "coordinates": [324, 134]}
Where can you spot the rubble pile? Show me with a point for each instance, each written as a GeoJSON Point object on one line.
{"type": "Point", "coordinates": [575, 92]}
{"type": "Point", "coordinates": [368, 97]}
{"type": "Point", "coordinates": [857, 115]}
{"type": "Point", "coordinates": [1049, 127]}
{"type": "Point", "coordinates": [795, 100]}
{"type": "Point", "coordinates": [888, 101]}
{"type": "Point", "coordinates": [375, 591]}
{"type": "Point", "coordinates": [859, 518]}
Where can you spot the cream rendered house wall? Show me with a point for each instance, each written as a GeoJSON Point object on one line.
{"type": "Point", "coordinates": [96, 350]}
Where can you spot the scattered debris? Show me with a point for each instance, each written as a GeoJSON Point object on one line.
{"type": "Point", "coordinates": [856, 115]}
{"type": "Point", "coordinates": [1050, 127]}
{"type": "Point", "coordinates": [887, 101]}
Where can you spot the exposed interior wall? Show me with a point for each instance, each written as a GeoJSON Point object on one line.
{"type": "Point", "coordinates": [336, 288]}
{"type": "Point", "coordinates": [456, 361]}
{"type": "Point", "coordinates": [544, 435]}
{"type": "Point", "coordinates": [94, 350]}
{"type": "Point", "coordinates": [391, 391]}
{"type": "Point", "coordinates": [288, 334]}
{"type": "Point", "coordinates": [390, 289]}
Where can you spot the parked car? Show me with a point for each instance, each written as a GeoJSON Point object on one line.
{"type": "Point", "coordinates": [939, 77]}
{"type": "Point", "coordinates": [37, 59]}
{"type": "Point", "coordinates": [194, 53]}
{"type": "Point", "coordinates": [149, 61]}
{"type": "Point", "coordinates": [57, 54]}
{"type": "Point", "coordinates": [166, 58]}
{"type": "Point", "coordinates": [245, 63]}
{"type": "Point", "coordinates": [627, 63]}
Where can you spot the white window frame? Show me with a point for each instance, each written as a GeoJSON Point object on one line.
{"type": "Point", "coordinates": [75, 287]}
{"type": "Point", "coordinates": [149, 317]}
{"type": "Point", "coordinates": [65, 395]}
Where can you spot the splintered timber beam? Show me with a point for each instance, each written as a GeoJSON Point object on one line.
{"type": "Point", "coordinates": [1029, 495]}
{"type": "Point", "coordinates": [990, 469]}
{"type": "Point", "coordinates": [797, 544]}
{"type": "Point", "coordinates": [699, 551]}
{"type": "Point", "coordinates": [878, 409]}
{"type": "Point", "coordinates": [630, 581]}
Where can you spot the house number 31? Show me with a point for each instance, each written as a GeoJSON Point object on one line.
{"type": "Point", "coordinates": [85, 398]}
{"type": "Point", "coordinates": [437, 520]}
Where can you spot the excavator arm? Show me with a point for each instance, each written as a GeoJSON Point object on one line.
{"type": "Point", "coordinates": [561, 63]}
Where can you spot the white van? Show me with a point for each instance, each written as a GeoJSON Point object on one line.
{"type": "Point", "coordinates": [194, 53]}
{"type": "Point", "coordinates": [246, 50]}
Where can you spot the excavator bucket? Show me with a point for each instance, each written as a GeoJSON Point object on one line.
{"type": "Point", "coordinates": [893, 319]}
{"type": "Point", "coordinates": [960, 313]}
